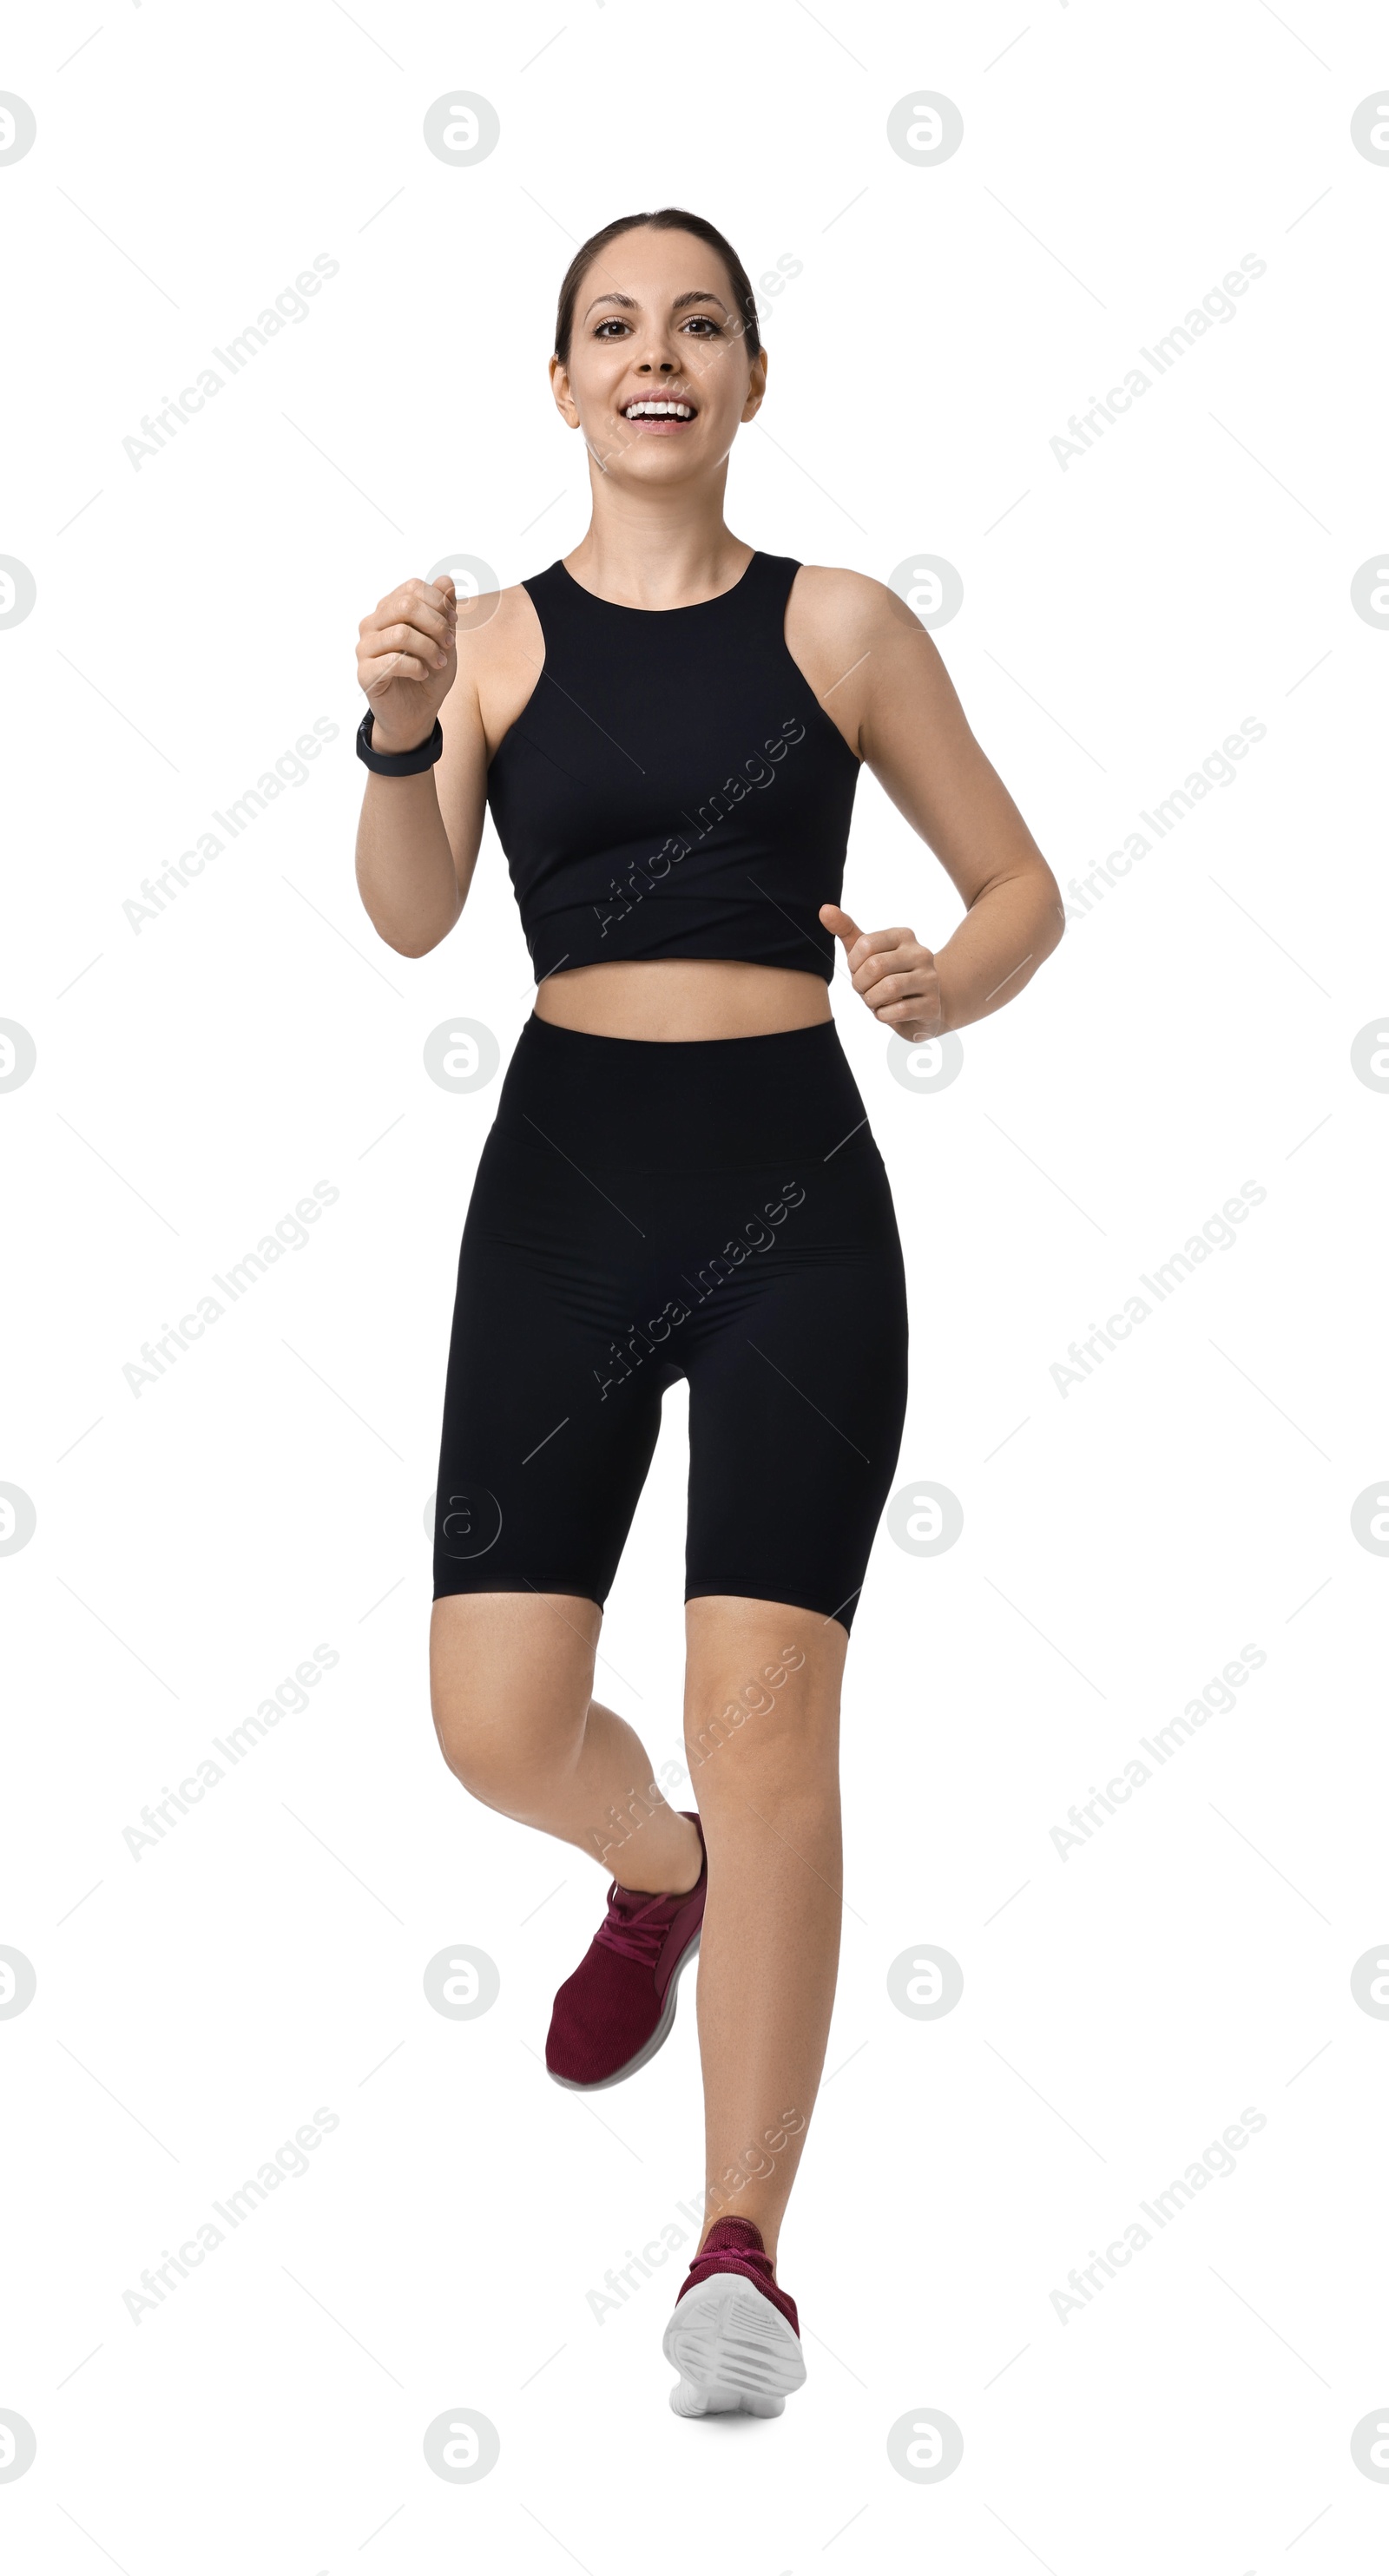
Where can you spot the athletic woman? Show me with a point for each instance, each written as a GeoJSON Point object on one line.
{"type": "Point", "coordinates": [668, 727]}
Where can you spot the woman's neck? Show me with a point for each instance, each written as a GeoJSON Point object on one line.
{"type": "Point", "coordinates": [663, 556]}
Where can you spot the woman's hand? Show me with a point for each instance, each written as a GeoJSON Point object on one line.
{"type": "Point", "coordinates": [407, 657]}
{"type": "Point", "coordinates": [894, 974]}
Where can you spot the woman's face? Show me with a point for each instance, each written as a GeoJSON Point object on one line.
{"type": "Point", "coordinates": [655, 323]}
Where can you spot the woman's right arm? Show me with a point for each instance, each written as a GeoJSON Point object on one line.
{"type": "Point", "coordinates": [412, 873]}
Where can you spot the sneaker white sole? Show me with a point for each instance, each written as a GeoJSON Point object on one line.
{"type": "Point", "coordinates": [658, 2038]}
{"type": "Point", "coordinates": [733, 2350]}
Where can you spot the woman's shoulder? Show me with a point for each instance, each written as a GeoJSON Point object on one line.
{"type": "Point", "coordinates": [498, 627]}
{"type": "Point", "coordinates": [494, 616]}
{"type": "Point", "coordinates": [838, 625]}
{"type": "Point", "coordinates": [501, 650]}
{"type": "Point", "coordinates": [847, 602]}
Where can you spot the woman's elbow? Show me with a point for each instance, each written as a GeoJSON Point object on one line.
{"type": "Point", "coordinates": [416, 943]}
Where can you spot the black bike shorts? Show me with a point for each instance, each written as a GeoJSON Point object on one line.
{"type": "Point", "coordinates": [711, 1209]}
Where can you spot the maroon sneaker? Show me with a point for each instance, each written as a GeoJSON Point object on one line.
{"type": "Point", "coordinates": [735, 2338]}
{"type": "Point", "coordinates": [617, 2008]}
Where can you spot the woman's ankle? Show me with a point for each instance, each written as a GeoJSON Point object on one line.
{"type": "Point", "coordinates": [662, 1857]}
{"type": "Point", "coordinates": [767, 2223]}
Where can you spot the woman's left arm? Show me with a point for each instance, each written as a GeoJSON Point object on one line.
{"type": "Point", "coordinates": [913, 734]}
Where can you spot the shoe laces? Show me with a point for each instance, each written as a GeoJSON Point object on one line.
{"type": "Point", "coordinates": [635, 1925]}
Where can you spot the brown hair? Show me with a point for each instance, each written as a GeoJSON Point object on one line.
{"type": "Point", "coordinates": [667, 219]}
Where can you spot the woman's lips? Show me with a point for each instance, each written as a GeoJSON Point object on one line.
{"type": "Point", "coordinates": [665, 421]}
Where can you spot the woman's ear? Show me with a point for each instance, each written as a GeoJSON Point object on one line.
{"type": "Point", "coordinates": [565, 404]}
{"type": "Point", "coordinates": [757, 385]}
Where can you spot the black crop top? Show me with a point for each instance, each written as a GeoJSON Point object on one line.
{"type": "Point", "coordinates": [673, 787]}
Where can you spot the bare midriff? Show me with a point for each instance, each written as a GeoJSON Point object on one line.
{"type": "Point", "coordinates": [677, 998]}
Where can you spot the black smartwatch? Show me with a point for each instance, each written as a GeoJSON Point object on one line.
{"type": "Point", "coordinates": [398, 764]}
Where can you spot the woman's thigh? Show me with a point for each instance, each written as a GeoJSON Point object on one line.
{"type": "Point", "coordinates": [798, 1389]}
{"type": "Point", "coordinates": [550, 1418]}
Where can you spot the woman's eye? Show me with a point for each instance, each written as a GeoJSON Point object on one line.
{"type": "Point", "coordinates": [701, 323]}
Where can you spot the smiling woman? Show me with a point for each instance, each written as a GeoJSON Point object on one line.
{"type": "Point", "coordinates": [700, 313]}
{"type": "Point", "coordinates": [668, 726]}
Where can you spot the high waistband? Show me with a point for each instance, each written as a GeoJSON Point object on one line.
{"type": "Point", "coordinates": [698, 1103]}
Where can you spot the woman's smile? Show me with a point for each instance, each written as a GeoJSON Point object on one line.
{"type": "Point", "coordinates": [659, 414]}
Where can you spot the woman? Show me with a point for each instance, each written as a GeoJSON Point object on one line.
{"type": "Point", "coordinates": [668, 726]}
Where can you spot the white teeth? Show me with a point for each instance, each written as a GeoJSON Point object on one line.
{"type": "Point", "coordinates": [658, 411]}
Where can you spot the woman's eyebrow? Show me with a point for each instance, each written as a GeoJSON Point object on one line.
{"type": "Point", "coordinates": [696, 295]}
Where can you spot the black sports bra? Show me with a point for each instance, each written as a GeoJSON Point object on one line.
{"type": "Point", "coordinates": [673, 787]}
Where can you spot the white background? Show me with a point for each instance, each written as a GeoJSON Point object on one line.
{"type": "Point", "coordinates": [1121, 1543]}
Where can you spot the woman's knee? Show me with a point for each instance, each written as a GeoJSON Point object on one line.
{"type": "Point", "coordinates": [777, 1748]}
{"type": "Point", "coordinates": [788, 1779]}
{"type": "Point", "coordinates": [509, 1697]}
{"type": "Point", "coordinates": [478, 1748]}
{"type": "Point", "coordinates": [503, 1743]}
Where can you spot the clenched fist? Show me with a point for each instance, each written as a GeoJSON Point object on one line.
{"type": "Point", "coordinates": [407, 655]}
